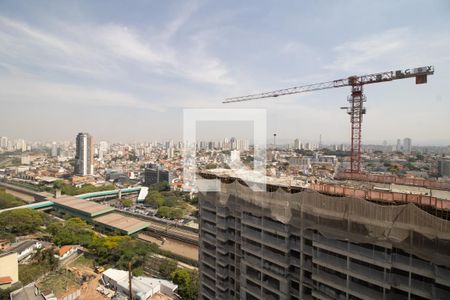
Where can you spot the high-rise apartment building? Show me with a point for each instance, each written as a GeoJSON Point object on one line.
{"type": "Point", "coordinates": [233, 143]}
{"type": "Point", "coordinates": [154, 174]}
{"type": "Point", "coordinates": [296, 144]}
{"type": "Point", "coordinates": [4, 142]}
{"type": "Point", "coordinates": [54, 150]}
{"type": "Point", "coordinates": [102, 149]}
{"type": "Point", "coordinates": [444, 168]}
{"type": "Point", "coordinates": [407, 144]}
{"type": "Point", "coordinates": [398, 147]}
{"type": "Point", "coordinates": [226, 144]}
{"type": "Point", "coordinates": [84, 155]}
{"type": "Point", "coordinates": [294, 243]}
{"type": "Point", "coordinates": [21, 145]}
{"type": "Point", "coordinates": [242, 145]}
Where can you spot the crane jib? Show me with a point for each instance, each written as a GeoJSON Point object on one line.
{"type": "Point", "coordinates": [420, 74]}
{"type": "Point", "coordinates": [356, 99]}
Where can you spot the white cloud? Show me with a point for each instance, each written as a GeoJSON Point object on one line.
{"type": "Point", "coordinates": [23, 30]}
{"type": "Point", "coordinates": [354, 54]}
{"type": "Point", "coordinates": [394, 48]}
{"type": "Point", "coordinates": [179, 21]}
{"type": "Point", "coordinates": [126, 43]}
{"type": "Point", "coordinates": [296, 48]}
{"type": "Point", "coordinates": [27, 90]}
{"type": "Point", "coordinates": [109, 50]}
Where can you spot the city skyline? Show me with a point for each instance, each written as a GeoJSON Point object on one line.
{"type": "Point", "coordinates": [12, 142]}
{"type": "Point", "coordinates": [142, 68]}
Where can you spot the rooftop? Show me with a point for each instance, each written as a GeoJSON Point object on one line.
{"type": "Point", "coordinates": [255, 177]}
{"type": "Point", "coordinates": [83, 207]}
{"type": "Point", "coordinates": [5, 280]}
{"type": "Point", "coordinates": [22, 246]}
{"type": "Point", "coordinates": [141, 285]}
{"type": "Point", "coordinates": [392, 192]}
{"type": "Point", "coordinates": [29, 292]}
{"type": "Point", "coordinates": [123, 223]}
{"type": "Point", "coordinates": [65, 249]}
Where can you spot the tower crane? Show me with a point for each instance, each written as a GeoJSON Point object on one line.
{"type": "Point", "coordinates": [356, 99]}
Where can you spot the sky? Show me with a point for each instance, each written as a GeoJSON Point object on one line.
{"type": "Point", "coordinates": [125, 71]}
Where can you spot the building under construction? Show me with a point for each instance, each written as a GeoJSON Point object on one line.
{"type": "Point", "coordinates": [322, 242]}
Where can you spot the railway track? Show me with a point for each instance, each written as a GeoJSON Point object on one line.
{"type": "Point", "coordinates": [172, 232]}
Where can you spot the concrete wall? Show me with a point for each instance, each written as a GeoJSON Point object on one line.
{"type": "Point", "coordinates": [9, 266]}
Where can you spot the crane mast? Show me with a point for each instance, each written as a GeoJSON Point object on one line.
{"type": "Point", "coordinates": [356, 99]}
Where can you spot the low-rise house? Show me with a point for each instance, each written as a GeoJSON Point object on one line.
{"type": "Point", "coordinates": [25, 248]}
{"type": "Point", "coordinates": [66, 251]}
{"type": "Point", "coordinates": [5, 282]}
{"type": "Point", "coordinates": [143, 288]}
{"type": "Point", "coordinates": [9, 269]}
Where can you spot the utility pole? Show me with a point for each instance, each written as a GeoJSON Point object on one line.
{"type": "Point", "coordinates": [130, 277]}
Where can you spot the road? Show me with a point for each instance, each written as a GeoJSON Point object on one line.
{"type": "Point", "coordinates": [25, 197]}
{"type": "Point", "coordinates": [25, 191]}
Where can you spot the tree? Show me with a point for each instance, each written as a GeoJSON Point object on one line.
{"type": "Point", "coordinates": [107, 242]}
{"type": "Point", "coordinates": [193, 200]}
{"type": "Point", "coordinates": [47, 257]}
{"type": "Point", "coordinates": [160, 186]}
{"type": "Point", "coordinates": [164, 212]}
{"type": "Point", "coordinates": [138, 271]}
{"type": "Point", "coordinates": [170, 201]}
{"type": "Point", "coordinates": [127, 202]}
{"type": "Point", "coordinates": [133, 250]}
{"type": "Point", "coordinates": [170, 212]}
{"type": "Point", "coordinates": [21, 221]}
{"type": "Point", "coordinates": [167, 267]}
{"type": "Point", "coordinates": [154, 199]}
{"type": "Point", "coordinates": [176, 213]}
{"type": "Point", "coordinates": [8, 200]}
{"type": "Point", "coordinates": [394, 169]}
{"type": "Point", "coordinates": [119, 250]}
{"type": "Point", "coordinates": [68, 189]}
{"type": "Point", "coordinates": [58, 184]}
{"type": "Point", "coordinates": [72, 231]}
{"type": "Point", "coordinates": [411, 167]}
{"type": "Point", "coordinates": [187, 282]}
{"type": "Point", "coordinates": [4, 293]}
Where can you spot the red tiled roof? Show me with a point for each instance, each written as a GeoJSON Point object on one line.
{"type": "Point", "coordinates": [5, 280]}
{"type": "Point", "coordinates": [65, 249]}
